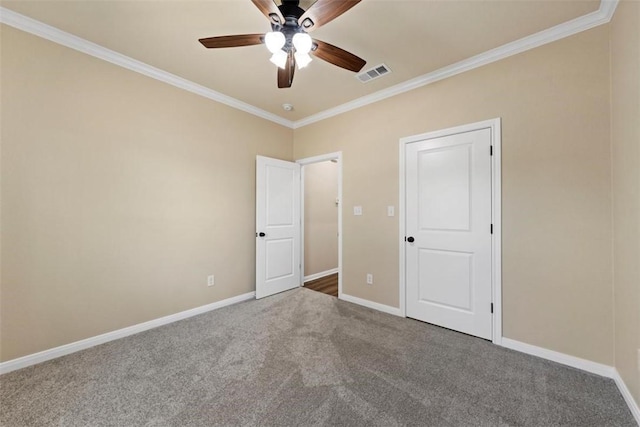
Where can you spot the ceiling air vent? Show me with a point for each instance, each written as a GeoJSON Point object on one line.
{"type": "Point", "coordinates": [373, 73]}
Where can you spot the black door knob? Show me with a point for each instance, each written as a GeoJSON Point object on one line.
{"type": "Point", "coordinates": [410, 239]}
{"type": "Point", "coordinates": [261, 234]}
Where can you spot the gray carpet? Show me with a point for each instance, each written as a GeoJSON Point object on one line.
{"type": "Point", "coordinates": [303, 358]}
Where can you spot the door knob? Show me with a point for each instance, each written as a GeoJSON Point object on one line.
{"type": "Point", "coordinates": [261, 234]}
{"type": "Point", "coordinates": [410, 239]}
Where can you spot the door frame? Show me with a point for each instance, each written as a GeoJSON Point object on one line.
{"type": "Point", "coordinates": [496, 214]}
{"type": "Point", "coordinates": [308, 161]}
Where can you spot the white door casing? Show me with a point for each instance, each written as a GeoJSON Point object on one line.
{"type": "Point", "coordinates": [448, 213]}
{"type": "Point", "coordinates": [277, 226]}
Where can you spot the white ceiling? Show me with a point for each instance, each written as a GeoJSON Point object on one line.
{"type": "Point", "coordinates": [413, 38]}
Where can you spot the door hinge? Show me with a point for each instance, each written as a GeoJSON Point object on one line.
{"type": "Point", "coordinates": [491, 308]}
{"type": "Point", "coordinates": [491, 150]}
{"type": "Point", "coordinates": [491, 228]}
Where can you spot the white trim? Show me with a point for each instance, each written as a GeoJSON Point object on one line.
{"type": "Point", "coordinates": [317, 159]}
{"type": "Point", "coordinates": [607, 9]}
{"type": "Point", "coordinates": [496, 214]}
{"type": "Point", "coordinates": [53, 353]}
{"type": "Point", "coordinates": [578, 363]}
{"type": "Point", "coordinates": [370, 304]}
{"type": "Point", "coordinates": [626, 394]}
{"type": "Point", "coordinates": [601, 16]}
{"type": "Point", "coordinates": [321, 158]}
{"type": "Point", "coordinates": [401, 229]}
{"type": "Point", "coordinates": [496, 220]}
{"type": "Point", "coordinates": [320, 275]}
{"type": "Point", "coordinates": [55, 35]}
{"type": "Point", "coordinates": [564, 359]}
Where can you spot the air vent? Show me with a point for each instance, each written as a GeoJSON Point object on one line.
{"type": "Point", "coordinates": [373, 73]}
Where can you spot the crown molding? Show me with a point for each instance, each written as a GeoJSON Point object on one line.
{"type": "Point", "coordinates": [601, 16]}
{"type": "Point", "coordinates": [55, 35]}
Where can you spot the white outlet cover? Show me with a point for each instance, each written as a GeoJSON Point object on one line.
{"type": "Point", "coordinates": [391, 211]}
{"type": "Point", "coordinates": [357, 210]}
{"type": "Point", "coordinates": [369, 279]}
{"type": "Point", "coordinates": [211, 280]}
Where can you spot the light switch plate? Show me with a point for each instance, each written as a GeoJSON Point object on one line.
{"type": "Point", "coordinates": [357, 210]}
{"type": "Point", "coordinates": [391, 210]}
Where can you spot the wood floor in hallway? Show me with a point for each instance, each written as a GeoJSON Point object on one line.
{"type": "Point", "coordinates": [327, 285]}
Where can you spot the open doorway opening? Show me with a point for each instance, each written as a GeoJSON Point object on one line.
{"type": "Point", "coordinates": [321, 223]}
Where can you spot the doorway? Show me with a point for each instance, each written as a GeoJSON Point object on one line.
{"type": "Point", "coordinates": [321, 221]}
{"type": "Point", "coordinates": [450, 228]}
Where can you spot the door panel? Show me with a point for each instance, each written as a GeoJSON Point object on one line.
{"type": "Point", "coordinates": [280, 259]}
{"type": "Point", "coordinates": [446, 278]}
{"type": "Point", "coordinates": [280, 186]}
{"type": "Point", "coordinates": [444, 188]}
{"type": "Point", "coordinates": [278, 218]}
{"type": "Point", "coordinates": [448, 208]}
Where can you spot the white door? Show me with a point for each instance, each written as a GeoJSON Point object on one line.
{"type": "Point", "coordinates": [448, 229]}
{"type": "Point", "coordinates": [277, 226]}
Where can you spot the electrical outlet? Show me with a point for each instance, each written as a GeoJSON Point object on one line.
{"type": "Point", "coordinates": [211, 280]}
{"type": "Point", "coordinates": [357, 210]}
{"type": "Point", "coordinates": [369, 279]}
{"type": "Point", "coordinates": [391, 211]}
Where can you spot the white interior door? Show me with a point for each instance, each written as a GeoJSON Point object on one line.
{"type": "Point", "coordinates": [277, 226]}
{"type": "Point", "coordinates": [448, 229]}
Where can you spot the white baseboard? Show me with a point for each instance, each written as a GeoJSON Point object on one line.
{"type": "Point", "coordinates": [370, 304]}
{"type": "Point", "coordinates": [565, 359]}
{"type": "Point", "coordinates": [582, 364]}
{"type": "Point", "coordinates": [624, 390]}
{"type": "Point", "coordinates": [43, 356]}
{"type": "Point", "coordinates": [320, 275]}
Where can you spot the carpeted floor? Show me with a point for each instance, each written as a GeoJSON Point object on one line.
{"type": "Point", "coordinates": [302, 358]}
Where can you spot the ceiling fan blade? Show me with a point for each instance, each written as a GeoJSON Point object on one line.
{"type": "Point", "coordinates": [270, 10]}
{"type": "Point", "coordinates": [323, 11]}
{"type": "Point", "coordinates": [285, 75]}
{"type": "Point", "coordinates": [232, 41]}
{"type": "Point", "coordinates": [337, 56]}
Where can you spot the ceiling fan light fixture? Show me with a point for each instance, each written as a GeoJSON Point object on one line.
{"type": "Point", "coordinates": [302, 59]}
{"type": "Point", "coordinates": [275, 41]}
{"type": "Point", "coordinates": [279, 58]}
{"type": "Point", "coordinates": [289, 41]}
{"type": "Point", "coordinates": [302, 42]}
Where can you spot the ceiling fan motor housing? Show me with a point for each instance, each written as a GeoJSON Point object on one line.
{"type": "Point", "coordinates": [291, 8]}
{"type": "Point", "coordinates": [289, 29]}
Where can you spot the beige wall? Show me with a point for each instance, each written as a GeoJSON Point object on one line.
{"type": "Point", "coordinates": [120, 194]}
{"type": "Point", "coordinates": [554, 104]}
{"type": "Point", "coordinates": [625, 135]}
{"type": "Point", "coordinates": [320, 217]}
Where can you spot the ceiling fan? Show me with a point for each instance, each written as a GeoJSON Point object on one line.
{"type": "Point", "coordinates": [288, 40]}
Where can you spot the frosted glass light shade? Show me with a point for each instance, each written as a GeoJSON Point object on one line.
{"type": "Point", "coordinates": [274, 40]}
{"type": "Point", "coordinates": [279, 58]}
{"type": "Point", "coordinates": [302, 59]}
{"type": "Point", "coordinates": [302, 42]}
